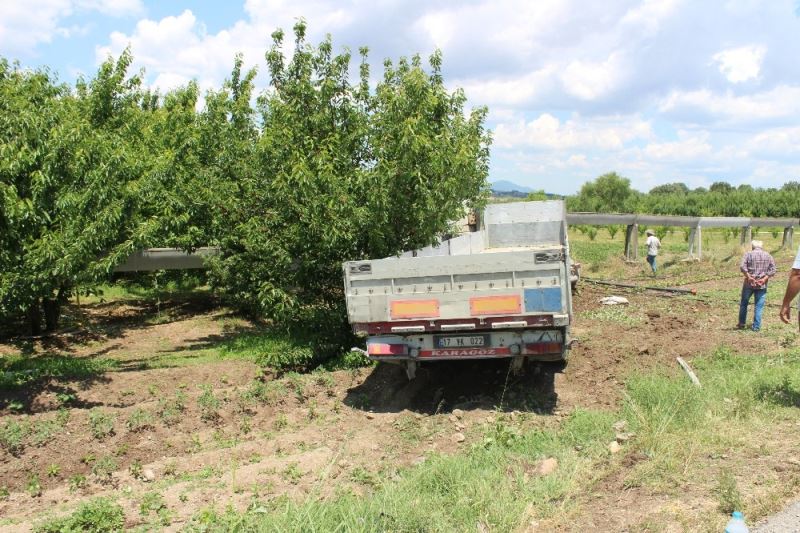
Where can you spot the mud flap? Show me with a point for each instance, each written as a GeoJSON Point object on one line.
{"type": "Point", "coordinates": [517, 364]}
{"type": "Point", "coordinates": [411, 369]}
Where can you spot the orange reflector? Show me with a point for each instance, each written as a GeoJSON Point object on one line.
{"type": "Point", "coordinates": [414, 308]}
{"type": "Point", "coordinates": [386, 349]}
{"type": "Point", "coordinates": [494, 305]}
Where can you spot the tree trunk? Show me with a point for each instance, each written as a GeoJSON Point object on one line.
{"type": "Point", "coordinates": [52, 310]}
{"type": "Point", "coordinates": [35, 318]}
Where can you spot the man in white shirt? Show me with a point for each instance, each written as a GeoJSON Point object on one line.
{"type": "Point", "coordinates": [792, 289]}
{"type": "Point", "coordinates": [653, 244]}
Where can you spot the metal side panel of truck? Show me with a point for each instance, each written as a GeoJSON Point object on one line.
{"type": "Point", "coordinates": [503, 291]}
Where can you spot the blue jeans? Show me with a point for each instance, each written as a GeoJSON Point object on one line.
{"type": "Point", "coordinates": [759, 297]}
{"type": "Point", "coordinates": [652, 260]}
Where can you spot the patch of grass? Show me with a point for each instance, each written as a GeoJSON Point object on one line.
{"type": "Point", "coordinates": [18, 371]}
{"type": "Point", "coordinates": [153, 502]}
{"type": "Point", "coordinates": [34, 486]}
{"type": "Point", "coordinates": [104, 467]}
{"type": "Point", "coordinates": [362, 476]}
{"type": "Point", "coordinates": [271, 348]}
{"type": "Point", "coordinates": [728, 496]}
{"type": "Point", "coordinates": [495, 482]}
{"type": "Point", "coordinates": [270, 393]}
{"type": "Point", "coordinates": [292, 473]}
{"type": "Point", "coordinates": [139, 420]}
{"type": "Point", "coordinates": [100, 515]}
{"type": "Point", "coordinates": [613, 313]}
{"type": "Point", "coordinates": [170, 410]}
{"type": "Point", "coordinates": [12, 436]}
{"type": "Point", "coordinates": [78, 481]}
{"type": "Point", "coordinates": [208, 403]}
{"type": "Point", "coordinates": [101, 424]}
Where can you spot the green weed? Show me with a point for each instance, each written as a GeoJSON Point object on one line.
{"type": "Point", "coordinates": [101, 424]}
{"type": "Point", "coordinates": [34, 486]}
{"type": "Point", "coordinates": [100, 515]}
{"type": "Point", "coordinates": [104, 467]}
{"type": "Point", "coordinates": [139, 420]}
{"type": "Point", "coordinates": [12, 436]}
{"type": "Point", "coordinates": [729, 498]}
{"type": "Point", "coordinates": [208, 403]}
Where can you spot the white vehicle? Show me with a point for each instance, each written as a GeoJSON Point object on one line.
{"type": "Point", "coordinates": [503, 291]}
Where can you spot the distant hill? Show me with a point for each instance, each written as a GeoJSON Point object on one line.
{"type": "Point", "coordinates": [509, 186]}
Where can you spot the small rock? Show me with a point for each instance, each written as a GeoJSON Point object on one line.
{"type": "Point", "coordinates": [614, 447]}
{"type": "Point", "coordinates": [452, 418]}
{"type": "Point", "coordinates": [370, 416]}
{"type": "Point", "coordinates": [417, 416]}
{"type": "Point", "coordinates": [623, 437]}
{"type": "Point", "coordinates": [644, 350]}
{"type": "Point", "coordinates": [458, 413]}
{"type": "Point", "coordinates": [620, 425]}
{"type": "Point", "coordinates": [780, 468]}
{"type": "Point", "coordinates": [345, 464]}
{"type": "Point", "coordinates": [148, 475]}
{"type": "Point", "coordinates": [459, 437]}
{"type": "Point", "coordinates": [548, 466]}
{"type": "Point", "coordinates": [460, 426]}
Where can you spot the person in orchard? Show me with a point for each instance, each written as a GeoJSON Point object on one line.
{"type": "Point", "coordinates": [652, 244]}
{"type": "Point", "coordinates": [757, 266]}
{"type": "Point", "coordinates": [792, 290]}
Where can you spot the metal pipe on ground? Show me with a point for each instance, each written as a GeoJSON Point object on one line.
{"type": "Point", "coordinates": [673, 290]}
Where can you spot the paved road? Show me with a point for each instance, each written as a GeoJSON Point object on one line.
{"type": "Point", "coordinates": [787, 521]}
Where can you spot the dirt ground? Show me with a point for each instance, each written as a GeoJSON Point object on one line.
{"type": "Point", "coordinates": [204, 441]}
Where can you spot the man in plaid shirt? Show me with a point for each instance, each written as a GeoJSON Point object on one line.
{"type": "Point", "coordinates": [757, 266]}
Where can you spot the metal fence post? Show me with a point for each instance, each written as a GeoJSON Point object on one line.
{"type": "Point", "coordinates": [699, 241]}
{"type": "Point", "coordinates": [632, 242]}
{"type": "Point", "coordinates": [692, 236]}
{"type": "Point", "coordinates": [747, 235]}
{"type": "Point", "coordinates": [787, 238]}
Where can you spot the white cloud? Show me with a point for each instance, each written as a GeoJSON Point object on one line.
{"type": "Point", "coordinates": [24, 25]}
{"type": "Point", "coordinates": [113, 8]}
{"type": "Point", "coordinates": [741, 64]}
{"type": "Point", "coordinates": [592, 80]}
{"type": "Point", "coordinates": [548, 132]}
{"type": "Point", "coordinates": [778, 142]}
{"type": "Point", "coordinates": [650, 14]}
{"type": "Point", "coordinates": [689, 146]}
{"type": "Point", "coordinates": [782, 102]}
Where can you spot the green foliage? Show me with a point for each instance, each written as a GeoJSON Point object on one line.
{"type": "Point", "coordinates": [537, 196]}
{"type": "Point", "coordinates": [208, 403]}
{"type": "Point", "coordinates": [101, 424]}
{"type": "Point", "coordinates": [728, 496]}
{"type": "Point", "coordinates": [324, 169]}
{"type": "Point", "coordinates": [99, 515]}
{"type": "Point", "coordinates": [139, 420]}
{"type": "Point", "coordinates": [610, 193]}
{"type": "Point", "coordinates": [343, 172]}
{"type": "Point", "coordinates": [104, 467]}
{"type": "Point", "coordinates": [12, 435]}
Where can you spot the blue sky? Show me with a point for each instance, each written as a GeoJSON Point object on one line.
{"type": "Point", "coordinates": [658, 91]}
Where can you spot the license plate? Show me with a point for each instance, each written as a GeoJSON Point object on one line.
{"type": "Point", "coordinates": [461, 341]}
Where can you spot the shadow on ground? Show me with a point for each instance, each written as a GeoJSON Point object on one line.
{"type": "Point", "coordinates": [446, 385]}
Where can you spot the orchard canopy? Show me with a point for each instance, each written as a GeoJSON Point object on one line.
{"type": "Point", "coordinates": [321, 167]}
